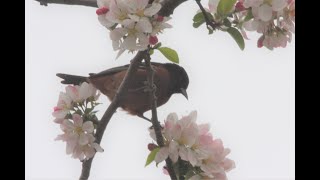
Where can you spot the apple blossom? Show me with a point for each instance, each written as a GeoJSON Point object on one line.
{"type": "Point", "coordinates": [79, 137]}
{"type": "Point", "coordinates": [133, 24]}
{"type": "Point", "coordinates": [193, 143]}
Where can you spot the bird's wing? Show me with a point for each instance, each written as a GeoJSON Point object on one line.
{"type": "Point", "coordinates": [119, 69]}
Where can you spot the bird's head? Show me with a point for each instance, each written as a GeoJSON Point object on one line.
{"type": "Point", "coordinates": [179, 79]}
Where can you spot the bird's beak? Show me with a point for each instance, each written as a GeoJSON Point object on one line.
{"type": "Point", "coordinates": [184, 92]}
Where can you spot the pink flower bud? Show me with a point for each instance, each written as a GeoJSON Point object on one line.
{"type": "Point", "coordinates": [102, 10]}
{"type": "Point", "coordinates": [56, 109]}
{"type": "Point", "coordinates": [165, 170]}
{"type": "Point", "coordinates": [260, 41]}
{"type": "Point", "coordinates": [153, 40]}
{"type": "Point", "coordinates": [240, 7]}
{"type": "Point", "coordinates": [152, 146]}
{"type": "Point", "coordinates": [159, 18]}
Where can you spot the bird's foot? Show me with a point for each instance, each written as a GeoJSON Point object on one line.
{"type": "Point", "coordinates": [145, 88]}
{"type": "Point", "coordinates": [143, 117]}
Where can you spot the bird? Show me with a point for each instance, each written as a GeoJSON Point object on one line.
{"type": "Point", "coordinates": [169, 79]}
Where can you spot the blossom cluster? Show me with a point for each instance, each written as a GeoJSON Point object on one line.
{"type": "Point", "coordinates": [133, 24]}
{"type": "Point", "coordinates": [273, 19]}
{"type": "Point", "coordinates": [74, 113]}
{"type": "Point", "coordinates": [187, 141]}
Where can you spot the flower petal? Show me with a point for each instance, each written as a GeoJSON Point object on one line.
{"type": "Point", "coordinates": [97, 147]}
{"type": "Point", "coordinates": [85, 91]}
{"type": "Point", "coordinates": [129, 43]}
{"type": "Point", "coordinates": [77, 120]}
{"type": "Point", "coordinates": [89, 152]}
{"type": "Point", "coordinates": [173, 151]}
{"type": "Point", "coordinates": [162, 154]}
{"type": "Point", "coordinates": [278, 5]}
{"type": "Point", "coordinates": [88, 127]}
{"type": "Point", "coordinates": [67, 125]}
{"type": "Point", "coordinates": [192, 158]}
{"type": "Point", "coordinates": [117, 34]}
{"type": "Point", "coordinates": [83, 139]}
{"type": "Point", "coordinates": [154, 9]}
{"type": "Point", "coordinates": [183, 153]}
{"type": "Point", "coordinates": [265, 12]}
{"type": "Point", "coordinates": [58, 120]}
{"type": "Point", "coordinates": [144, 25]}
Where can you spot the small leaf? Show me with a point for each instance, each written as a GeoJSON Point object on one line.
{"type": "Point", "coordinates": [198, 17]}
{"type": "Point", "coordinates": [226, 22]}
{"type": "Point", "coordinates": [151, 156]}
{"type": "Point", "coordinates": [237, 37]}
{"type": "Point", "coordinates": [170, 54]}
{"type": "Point", "coordinates": [225, 6]}
{"type": "Point", "coordinates": [157, 46]}
{"type": "Point", "coordinates": [151, 51]}
{"type": "Point", "coordinates": [197, 24]}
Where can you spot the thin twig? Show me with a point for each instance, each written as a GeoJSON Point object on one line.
{"type": "Point", "coordinates": [168, 6]}
{"type": "Point", "coordinates": [155, 123]}
{"type": "Point", "coordinates": [206, 17]}
{"type": "Point", "coordinates": [86, 165]}
{"type": "Point", "coordinates": [90, 3]}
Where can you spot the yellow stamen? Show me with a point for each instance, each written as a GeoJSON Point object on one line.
{"type": "Point", "coordinates": [140, 13]}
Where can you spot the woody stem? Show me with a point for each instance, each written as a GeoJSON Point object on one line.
{"type": "Point", "coordinates": [86, 165]}
{"type": "Point", "coordinates": [155, 123]}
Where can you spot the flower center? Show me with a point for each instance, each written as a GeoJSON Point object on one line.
{"type": "Point", "coordinates": [78, 130]}
{"type": "Point", "coordinates": [269, 2]}
{"type": "Point", "coordinates": [132, 31]}
{"type": "Point", "coordinates": [122, 17]}
{"type": "Point", "coordinates": [140, 13]}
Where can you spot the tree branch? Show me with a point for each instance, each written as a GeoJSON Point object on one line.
{"type": "Point", "coordinates": [204, 12]}
{"type": "Point", "coordinates": [155, 123]}
{"type": "Point", "coordinates": [168, 6]}
{"type": "Point", "coordinates": [90, 3]}
{"type": "Point", "coordinates": [86, 165]}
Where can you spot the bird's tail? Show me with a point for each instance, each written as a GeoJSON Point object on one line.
{"type": "Point", "coordinates": [72, 79]}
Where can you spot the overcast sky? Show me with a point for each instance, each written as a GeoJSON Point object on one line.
{"type": "Point", "coordinates": [247, 96]}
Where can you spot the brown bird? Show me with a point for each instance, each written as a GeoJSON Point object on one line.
{"type": "Point", "coordinates": [168, 78]}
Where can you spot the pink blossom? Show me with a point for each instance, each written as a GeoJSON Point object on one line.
{"type": "Point", "coordinates": [194, 143]}
{"type": "Point", "coordinates": [274, 19]}
{"type": "Point", "coordinates": [133, 24]}
{"type": "Point", "coordinates": [79, 137]}
{"type": "Point", "coordinates": [82, 92]}
{"type": "Point", "coordinates": [63, 107]}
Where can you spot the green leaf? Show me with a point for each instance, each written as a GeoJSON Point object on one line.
{"type": "Point", "coordinates": [170, 54]}
{"type": "Point", "coordinates": [157, 45]}
{"type": "Point", "coordinates": [237, 37]}
{"type": "Point", "coordinates": [151, 51]}
{"type": "Point", "coordinates": [151, 156]}
{"type": "Point", "coordinates": [226, 22]}
{"type": "Point", "coordinates": [197, 24]}
{"type": "Point", "coordinates": [249, 15]}
{"type": "Point", "coordinates": [198, 17]}
{"type": "Point", "coordinates": [225, 6]}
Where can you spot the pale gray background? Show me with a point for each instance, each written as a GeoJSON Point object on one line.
{"type": "Point", "coordinates": [247, 96]}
